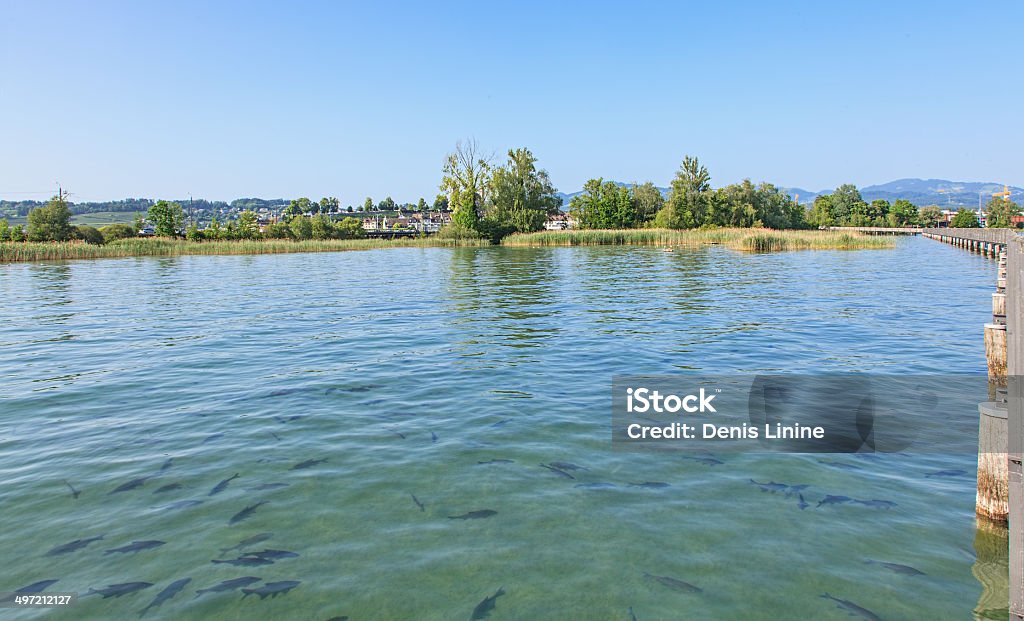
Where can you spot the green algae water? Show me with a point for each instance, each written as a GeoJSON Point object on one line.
{"type": "Point", "coordinates": [386, 413]}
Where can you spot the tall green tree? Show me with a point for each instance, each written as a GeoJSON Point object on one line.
{"type": "Point", "coordinates": [368, 204]}
{"type": "Point", "coordinates": [298, 207]}
{"type": "Point", "coordinates": [603, 205]}
{"type": "Point", "coordinates": [388, 204]}
{"type": "Point", "coordinates": [820, 213]}
{"type": "Point", "coordinates": [847, 203]}
{"type": "Point", "coordinates": [465, 180]}
{"type": "Point", "coordinates": [421, 206]}
{"type": "Point", "coordinates": [52, 222]}
{"type": "Point", "coordinates": [521, 195]}
{"type": "Point", "coordinates": [647, 201]}
{"type": "Point", "coordinates": [330, 205]}
{"type": "Point", "coordinates": [904, 213]}
{"type": "Point", "coordinates": [167, 218]}
{"type": "Point", "coordinates": [248, 225]}
{"type": "Point", "coordinates": [440, 203]}
{"type": "Point", "coordinates": [1001, 212]}
{"type": "Point", "coordinates": [965, 219]}
{"type": "Point", "coordinates": [687, 205]}
{"type": "Point", "coordinates": [930, 216]}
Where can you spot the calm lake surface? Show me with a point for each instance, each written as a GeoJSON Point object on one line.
{"type": "Point", "coordinates": [402, 369]}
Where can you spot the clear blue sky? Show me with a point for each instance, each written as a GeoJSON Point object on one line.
{"type": "Point", "coordinates": [285, 99]}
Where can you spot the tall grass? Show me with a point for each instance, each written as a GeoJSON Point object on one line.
{"type": "Point", "coordinates": [139, 247]}
{"type": "Point", "coordinates": [755, 240]}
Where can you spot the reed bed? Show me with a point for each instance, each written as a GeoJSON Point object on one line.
{"type": "Point", "coordinates": [754, 240]}
{"type": "Point", "coordinates": [57, 251]}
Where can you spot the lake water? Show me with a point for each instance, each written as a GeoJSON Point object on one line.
{"type": "Point", "coordinates": [403, 369]}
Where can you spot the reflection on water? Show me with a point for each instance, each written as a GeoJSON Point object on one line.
{"type": "Point", "coordinates": [991, 569]}
{"type": "Point", "coordinates": [414, 429]}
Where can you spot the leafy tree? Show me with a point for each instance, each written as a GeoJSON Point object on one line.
{"type": "Point", "coordinates": [51, 222]}
{"type": "Point", "coordinates": [368, 204]}
{"type": "Point", "coordinates": [89, 234]}
{"type": "Point", "coordinates": [421, 206]}
{"type": "Point", "coordinates": [603, 205]}
{"type": "Point", "coordinates": [929, 216]}
{"type": "Point", "coordinates": [846, 202]}
{"type": "Point", "coordinates": [248, 225]}
{"type": "Point", "coordinates": [193, 234]}
{"type": "Point", "coordinates": [647, 201]}
{"type": "Point", "coordinates": [965, 219]}
{"type": "Point", "coordinates": [138, 223]}
{"type": "Point", "coordinates": [18, 233]}
{"type": "Point", "coordinates": [298, 207]}
{"type": "Point", "coordinates": [688, 203]}
{"type": "Point", "coordinates": [230, 230]}
{"type": "Point", "coordinates": [904, 213]}
{"type": "Point", "coordinates": [440, 203]}
{"type": "Point", "coordinates": [821, 212]}
{"type": "Point", "coordinates": [5, 229]}
{"type": "Point", "coordinates": [167, 218]}
{"type": "Point", "coordinates": [878, 212]}
{"type": "Point", "coordinates": [278, 230]}
{"type": "Point", "coordinates": [118, 231]}
{"type": "Point", "coordinates": [321, 227]}
{"type": "Point", "coordinates": [349, 228]}
{"type": "Point", "coordinates": [388, 204]}
{"type": "Point", "coordinates": [521, 196]}
{"type": "Point", "coordinates": [465, 181]}
{"type": "Point", "coordinates": [215, 230]}
{"type": "Point", "coordinates": [349, 209]}
{"type": "Point", "coordinates": [1001, 212]}
{"type": "Point", "coordinates": [302, 228]}
{"type": "Point", "coordinates": [329, 205]}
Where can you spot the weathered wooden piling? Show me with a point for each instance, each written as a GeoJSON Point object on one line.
{"type": "Point", "coordinates": [995, 352]}
{"type": "Point", "coordinates": [992, 499]}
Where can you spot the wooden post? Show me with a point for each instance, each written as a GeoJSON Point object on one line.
{"type": "Point", "coordinates": [1015, 419]}
{"type": "Point", "coordinates": [992, 499]}
{"type": "Point", "coordinates": [995, 352]}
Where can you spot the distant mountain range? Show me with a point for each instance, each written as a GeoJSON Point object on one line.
{"type": "Point", "coordinates": [918, 191]}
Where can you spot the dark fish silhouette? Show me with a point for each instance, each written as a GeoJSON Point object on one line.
{"type": "Point", "coordinates": [309, 463]}
{"type": "Point", "coordinates": [707, 461]}
{"type": "Point", "coordinates": [567, 466]}
{"type": "Point", "coordinates": [265, 486]}
{"type": "Point", "coordinates": [130, 485]}
{"type": "Point", "coordinates": [246, 512]}
{"type": "Point", "coordinates": [905, 570]}
{"type": "Point", "coordinates": [247, 542]}
{"type": "Point", "coordinates": [496, 461]}
{"type": "Point", "coordinates": [674, 583]}
{"type": "Point", "coordinates": [946, 473]}
{"type": "Point", "coordinates": [834, 500]}
{"type": "Point", "coordinates": [74, 492]}
{"type": "Point", "coordinates": [344, 618]}
{"type": "Point", "coordinates": [501, 422]}
{"type": "Point", "coordinates": [595, 485]}
{"type": "Point", "coordinates": [276, 437]}
{"type": "Point", "coordinates": [212, 437]}
{"type": "Point", "coordinates": [35, 587]}
{"type": "Point", "coordinates": [272, 554]}
{"type": "Point", "coordinates": [245, 561]}
{"type": "Point", "coordinates": [77, 544]}
{"type": "Point", "coordinates": [117, 590]}
{"type": "Point", "coordinates": [418, 503]}
{"type": "Point", "coordinates": [399, 434]}
{"type": "Point", "coordinates": [283, 419]}
{"type": "Point", "coordinates": [803, 503]}
{"type": "Point", "coordinates": [167, 464]}
{"type": "Point", "coordinates": [651, 484]}
{"type": "Point", "coordinates": [223, 485]}
{"type": "Point", "coordinates": [559, 472]}
{"type": "Point", "coordinates": [229, 585]}
{"type": "Point", "coordinates": [167, 488]}
{"type": "Point", "coordinates": [433, 437]}
{"type": "Point", "coordinates": [182, 504]}
{"type": "Point", "coordinates": [878, 504]}
{"type": "Point", "coordinates": [853, 609]}
{"type": "Point", "coordinates": [136, 546]}
{"type": "Point", "coordinates": [272, 589]}
{"type": "Point", "coordinates": [474, 515]}
{"type": "Point", "coordinates": [172, 589]}
{"type": "Point", "coordinates": [772, 487]}
{"type": "Point", "coordinates": [484, 608]}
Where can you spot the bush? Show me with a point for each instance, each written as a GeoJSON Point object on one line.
{"type": "Point", "coordinates": [494, 230]}
{"type": "Point", "coordinates": [457, 232]}
{"type": "Point", "coordinates": [277, 230]}
{"type": "Point", "coordinates": [112, 232]}
{"type": "Point", "coordinates": [89, 234]}
{"type": "Point", "coordinates": [193, 234]}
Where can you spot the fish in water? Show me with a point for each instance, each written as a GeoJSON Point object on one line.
{"type": "Point", "coordinates": [172, 589]}
{"type": "Point", "coordinates": [344, 618]}
{"type": "Point", "coordinates": [433, 437]}
{"type": "Point", "coordinates": [282, 419]}
{"type": "Point", "coordinates": [223, 485]}
{"type": "Point", "coordinates": [707, 461]}
{"type": "Point", "coordinates": [246, 512]}
{"type": "Point", "coordinates": [651, 484]}
{"type": "Point", "coordinates": [803, 503]}
{"type": "Point", "coordinates": [632, 617]}
{"type": "Point", "coordinates": [280, 392]}
{"type": "Point", "coordinates": [567, 466]}
{"type": "Point", "coordinates": [418, 503]}
{"type": "Point", "coordinates": [905, 570]}
{"type": "Point", "coordinates": [272, 589]}
{"type": "Point", "coordinates": [495, 461]}
{"type": "Point", "coordinates": [136, 546]}
{"type": "Point", "coordinates": [229, 585]}
{"type": "Point", "coordinates": [853, 609]}
{"type": "Point", "coordinates": [474, 515]}
{"type": "Point", "coordinates": [167, 488]}
{"type": "Point", "coordinates": [834, 500]}
{"type": "Point", "coordinates": [773, 487]}
{"type": "Point", "coordinates": [276, 437]}
{"type": "Point", "coordinates": [117, 590]}
{"type": "Point", "coordinates": [674, 583]}
{"type": "Point", "coordinates": [212, 437]}
{"type": "Point", "coordinates": [167, 464]}
{"type": "Point", "coordinates": [309, 463]}
{"type": "Point", "coordinates": [946, 473]}
{"type": "Point", "coordinates": [265, 486]}
{"type": "Point", "coordinates": [272, 554]}
{"type": "Point", "coordinates": [182, 504]}
{"type": "Point", "coordinates": [558, 471]}
{"type": "Point", "coordinates": [77, 544]}
{"type": "Point", "coordinates": [501, 422]}
{"type": "Point", "coordinates": [74, 492]}
{"type": "Point", "coordinates": [35, 587]}
{"type": "Point", "coordinates": [245, 561]}
{"type": "Point", "coordinates": [248, 542]}
{"type": "Point", "coordinates": [484, 608]}
{"type": "Point", "coordinates": [877, 504]}
{"type": "Point", "coordinates": [134, 483]}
